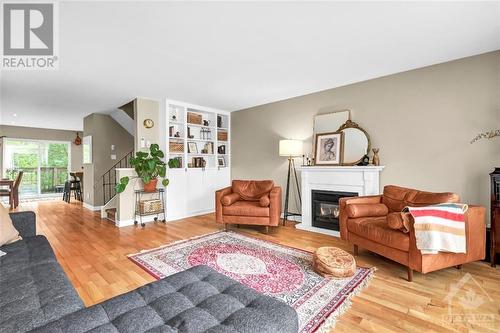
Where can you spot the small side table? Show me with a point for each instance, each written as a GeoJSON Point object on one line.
{"type": "Point", "coordinates": [160, 212]}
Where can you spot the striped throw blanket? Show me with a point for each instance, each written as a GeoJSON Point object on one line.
{"type": "Point", "coordinates": [439, 227]}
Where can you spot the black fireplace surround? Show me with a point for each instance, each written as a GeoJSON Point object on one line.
{"type": "Point", "coordinates": [325, 208]}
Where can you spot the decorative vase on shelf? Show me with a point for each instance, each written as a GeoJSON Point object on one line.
{"type": "Point", "coordinates": [376, 158]}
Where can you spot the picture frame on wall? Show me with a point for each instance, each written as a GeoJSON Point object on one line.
{"type": "Point", "coordinates": [192, 148]}
{"type": "Point", "coordinates": [329, 148]}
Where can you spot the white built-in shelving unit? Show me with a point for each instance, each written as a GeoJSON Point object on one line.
{"type": "Point", "coordinates": [193, 185]}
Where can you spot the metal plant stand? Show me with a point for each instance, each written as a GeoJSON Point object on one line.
{"type": "Point", "coordinates": [159, 195]}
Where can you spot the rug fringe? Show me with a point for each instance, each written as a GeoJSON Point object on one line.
{"type": "Point", "coordinates": [174, 242]}
{"type": "Point", "coordinates": [331, 321]}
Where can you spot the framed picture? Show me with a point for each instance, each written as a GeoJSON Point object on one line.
{"type": "Point", "coordinates": [329, 148]}
{"type": "Point", "coordinates": [221, 161]}
{"type": "Point", "coordinates": [87, 149]}
{"type": "Point", "coordinates": [192, 148]}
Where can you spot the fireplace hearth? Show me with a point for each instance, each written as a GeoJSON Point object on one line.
{"type": "Point", "coordinates": [325, 208]}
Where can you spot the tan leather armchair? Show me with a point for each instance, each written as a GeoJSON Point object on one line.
{"type": "Point", "coordinates": [249, 202]}
{"type": "Point", "coordinates": [366, 222]}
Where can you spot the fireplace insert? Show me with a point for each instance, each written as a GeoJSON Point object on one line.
{"type": "Point", "coordinates": [325, 208]}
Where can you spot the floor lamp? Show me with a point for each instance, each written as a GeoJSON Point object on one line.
{"type": "Point", "coordinates": [290, 149]}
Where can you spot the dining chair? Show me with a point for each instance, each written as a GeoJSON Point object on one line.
{"type": "Point", "coordinates": [15, 188]}
{"type": "Point", "coordinates": [13, 192]}
{"type": "Point", "coordinates": [6, 192]}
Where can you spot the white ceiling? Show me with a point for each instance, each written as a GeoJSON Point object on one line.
{"type": "Point", "coordinates": [235, 55]}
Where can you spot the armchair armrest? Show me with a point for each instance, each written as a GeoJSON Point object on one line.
{"type": "Point", "coordinates": [366, 210]}
{"type": "Point", "coordinates": [275, 206]}
{"type": "Point", "coordinates": [343, 202]}
{"type": "Point", "coordinates": [475, 232]}
{"type": "Point", "coordinates": [218, 202]}
{"type": "Point", "coordinates": [25, 223]}
{"type": "Point", "coordinates": [475, 237]}
{"type": "Point", "coordinates": [229, 199]}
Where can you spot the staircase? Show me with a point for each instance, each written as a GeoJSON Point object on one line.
{"type": "Point", "coordinates": [111, 214]}
{"type": "Point", "coordinates": [124, 119]}
{"type": "Point", "coordinates": [108, 180]}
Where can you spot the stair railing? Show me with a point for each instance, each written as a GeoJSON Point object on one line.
{"type": "Point", "coordinates": [109, 178]}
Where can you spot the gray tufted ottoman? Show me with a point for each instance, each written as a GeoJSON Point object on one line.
{"type": "Point", "coordinates": [196, 300]}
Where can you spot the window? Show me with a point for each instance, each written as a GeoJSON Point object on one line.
{"type": "Point", "coordinates": [45, 165]}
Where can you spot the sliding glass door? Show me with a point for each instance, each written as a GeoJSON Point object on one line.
{"type": "Point", "coordinates": [45, 165]}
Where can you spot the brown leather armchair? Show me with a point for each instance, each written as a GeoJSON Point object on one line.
{"type": "Point", "coordinates": [249, 202]}
{"type": "Point", "coordinates": [364, 223]}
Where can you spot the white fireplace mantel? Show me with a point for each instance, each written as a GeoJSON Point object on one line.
{"type": "Point", "coordinates": [363, 180]}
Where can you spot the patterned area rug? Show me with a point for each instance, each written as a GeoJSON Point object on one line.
{"type": "Point", "coordinates": [279, 271]}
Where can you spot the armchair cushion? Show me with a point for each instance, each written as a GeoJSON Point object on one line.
{"type": "Point", "coordinates": [230, 199]}
{"type": "Point", "coordinates": [377, 230]}
{"type": "Point", "coordinates": [264, 201]}
{"type": "Point", "coordinates": [366, 210]}
{"type": "Point", "coordinates": [399, 221]}
{"type": "Point", "coordinates": [397, 198]}
{"type": "Point", "coordinates": [246, 208]}
{"type": "Point", "coordinates": [252, 190]}
{"type": "Point", "coordinates": [8, 234]}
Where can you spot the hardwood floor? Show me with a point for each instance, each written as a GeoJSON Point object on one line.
{"type": "Point", "coordinates": [93, 254]}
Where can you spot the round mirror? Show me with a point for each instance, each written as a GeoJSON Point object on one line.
{"type": "Point", "coordinates": [356, 143]}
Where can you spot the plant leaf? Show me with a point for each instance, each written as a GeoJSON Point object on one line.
{"type": "Point", "coordinates": [124, 180]}
{"type": "Point", "coordinates": [165, 182]}
{"type": "Point", "coordinates": [146, 179]}
{"type": "Point", "coordinates": [141, 155]}
{"type": "Point", "coordinates": [120, 187]}
{"type": "Point", "coordinates": [162, 170]}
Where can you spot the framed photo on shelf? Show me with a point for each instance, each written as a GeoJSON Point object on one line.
{"type": "Point", "coordinates": [329, 148]}
{"type": "Point", "coordinates": [192, 148]}
{"type": "Point", "coordinates": [221, 161]}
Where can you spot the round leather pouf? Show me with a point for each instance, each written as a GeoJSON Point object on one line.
{"type": "Point", "coordinates": [334, 262]}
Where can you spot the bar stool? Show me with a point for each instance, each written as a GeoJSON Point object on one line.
{"type": "Point", "coordinates": [75, 186]}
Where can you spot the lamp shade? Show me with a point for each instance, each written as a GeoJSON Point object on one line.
{"type": "Point", "coordinates": [290, 148]}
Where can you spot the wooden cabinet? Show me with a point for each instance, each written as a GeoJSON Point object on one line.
{"type": "Point", "coordinates": [192, 133]}
{"type": "Point", "coordinates": [495, 216]}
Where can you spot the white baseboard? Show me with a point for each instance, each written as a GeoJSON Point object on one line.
{"type": "Point", "coordinates": [293, 218]}
{"type": "Point", "coordinates": [198, 213]}
{"type": "Point", "coordinates": [318, 230]}
{"type": "Point", "coordinates": [127, 223]}
{"type": "Point", "coordinates": [90, 207]}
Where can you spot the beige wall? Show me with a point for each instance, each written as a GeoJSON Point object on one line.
{"type": "Point", "coordinates": [105, 132]}
{"type": "Point", "coordinates": [422, 120]}
{"type": "Point", "coordinates": [19, 132]}
{"type": "Point", "coordinates": [146, 109]}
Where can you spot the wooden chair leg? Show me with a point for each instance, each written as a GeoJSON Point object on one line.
{"type": "Point", "coordinates": [356, 250]}
{"type": "Point", "coordinates": [410, 274]}
{"type": "Point", "coordinates": [226, 227]}
{"type": "Point", "coordinates": [267, 230]}
{"type": "Point", "coordinates": [16, 199]}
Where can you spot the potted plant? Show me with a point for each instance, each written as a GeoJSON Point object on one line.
{"type": "Point", "coordinates": [149, 167]}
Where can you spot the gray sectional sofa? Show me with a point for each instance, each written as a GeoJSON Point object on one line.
{"type": "Point", "coordinates": [36, 296]}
